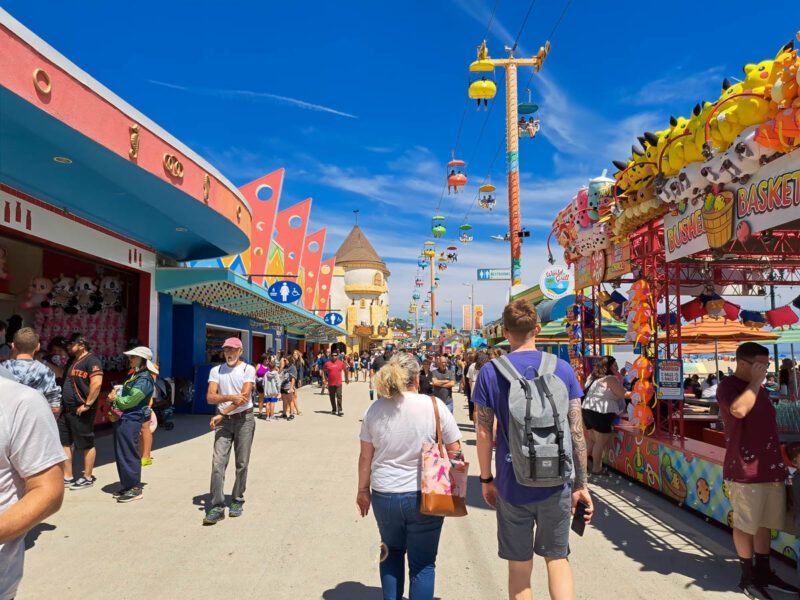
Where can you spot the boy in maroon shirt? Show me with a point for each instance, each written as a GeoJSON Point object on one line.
{"type": "Point", "coordinates": [753, 470]}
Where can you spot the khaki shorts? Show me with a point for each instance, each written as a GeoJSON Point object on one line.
{"type": "Point", "coordinates": [757, 505]}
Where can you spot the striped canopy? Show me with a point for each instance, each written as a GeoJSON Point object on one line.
{"type": "Point", "coordinates": [788, 336]}
{"type": "Point", "coordinates": [708, 330]}
{"type": "Point", "coordinates": [556, 331]}
{"type": "Point", "coordinates": [724, 347]}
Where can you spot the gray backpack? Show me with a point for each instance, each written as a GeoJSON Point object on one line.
{"type": "Point", "coordinates": [538, 435]}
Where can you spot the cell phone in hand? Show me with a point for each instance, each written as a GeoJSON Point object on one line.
{"type": "Point", "coordinates": [579, 519]}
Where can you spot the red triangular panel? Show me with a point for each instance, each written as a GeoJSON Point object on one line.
{"type": "Point", "coordinates": [310, 263]}
{"type": "Point", "coordinates": [264, 210]}
{"type": "Point", "coordinates": [324, 286]}
{"type": "Point", "coordinates": [289, 238]}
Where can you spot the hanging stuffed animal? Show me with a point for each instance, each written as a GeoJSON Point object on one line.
{"type": "Point", "coordinates": [62, 296]}
{"type": "Point", "coordinates": [714, 304]}
{"type": "Point", "coordinates": [88, 298]}
{"type": "Point", "coordinates": [110, 289]}
{"type": "Point", "coordinates": [38, 291]}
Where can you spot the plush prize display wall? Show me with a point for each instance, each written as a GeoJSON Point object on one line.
{"type": "Point", "coordinates": [104, 308]}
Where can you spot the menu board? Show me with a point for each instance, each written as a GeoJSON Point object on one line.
{"type": "Point", "coordinates": [670, 379]}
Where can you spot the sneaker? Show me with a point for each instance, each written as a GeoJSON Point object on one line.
{"type": "Point", "coordinates": [333, 412]}
{"type": "Point", "coordinates": [236, 509]}
{"type": "Point", "coordinates": [68, 482]}
{"type": "Point", "coordinates": [134, 493]}
{"type": "Point", "coordinates": [119, 492]}
{"type": "Point", "coordinates": [291, 418]}
{"type": "Point", "coordinates": [147, 461]}
{"type": "Point", "coordinates": [215, 515]}
{"type": "Point", "coordinates": [771, 580]}
{"type": "Point", "coordinates": [340, 413]}
{"type": "Point", "coordinates": [82, 483]}
{"type": "Point", "coordinates": [754, 591]}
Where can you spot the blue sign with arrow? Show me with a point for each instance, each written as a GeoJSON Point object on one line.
{"type": "Point", "coordinates": [285, 292]}
{"type": "Point", "coordinates": [333, 318]}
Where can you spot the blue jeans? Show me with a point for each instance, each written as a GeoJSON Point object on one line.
{"type": "Point", "coordinates": [404, 529]}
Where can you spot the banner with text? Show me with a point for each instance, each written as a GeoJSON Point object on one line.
{"type": "Point", "coordinates": [771, 197]}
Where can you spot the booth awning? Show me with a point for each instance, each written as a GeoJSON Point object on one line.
{"type": "Point", "coordinates": [229, 292]}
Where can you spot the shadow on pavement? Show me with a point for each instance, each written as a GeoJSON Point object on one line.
{"type": "Point", "coordinates": [187, 427]}
{"type": "Point", "coordinates": [663, 538]}
{"type": "Point", "coordinates": [352, 590]}
{"type": "Point", "coordinates": [475, 494]}
{"type": "Point", "coordinates": [33, 534]}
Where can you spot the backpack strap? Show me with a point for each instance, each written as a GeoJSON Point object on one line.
{"type": "Point", "coordinates": [544, 392]}
{"type": "Point", "coordinates": [513, 376]}
{"type": "Point", "coordinates": [548, 364]}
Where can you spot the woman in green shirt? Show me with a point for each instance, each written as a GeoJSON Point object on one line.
{"type": "Point", "coordinates": [132, 399]}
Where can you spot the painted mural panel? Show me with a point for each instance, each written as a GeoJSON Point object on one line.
{"type": "Point", "coordinates": [691, 481]}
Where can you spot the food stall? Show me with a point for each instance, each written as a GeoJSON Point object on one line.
{"type": "Point", "coordinates": [702, 214]}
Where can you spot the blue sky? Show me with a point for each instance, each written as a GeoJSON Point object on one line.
{"type": "Point", "coordinates": [361, 101]}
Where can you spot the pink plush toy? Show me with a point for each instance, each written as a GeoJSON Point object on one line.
{"type": "Point", "coordinates": [37, 293]}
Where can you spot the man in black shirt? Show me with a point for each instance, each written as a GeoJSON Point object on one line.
{"type": "Point", "coordinates": [83, 378]}
{"type": "Point", "coordinates": [425, 386]}
{"type": "Point", "coordinates": [443, 379]}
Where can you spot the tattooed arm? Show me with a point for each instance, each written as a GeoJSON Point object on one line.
{"type": "Point", "coordinates": [580, 489]}
{"type": "Point", "coordinates": [578, 442]}
{"type": "Point", "coordinates": [484, 428]}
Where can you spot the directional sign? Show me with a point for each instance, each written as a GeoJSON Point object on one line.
{"type": "Point", "coordinates": [494, 274]}
{"type": "Point", "coordinates": [333, 318]}
{"type": "Point", "coordinates": [285, 292]}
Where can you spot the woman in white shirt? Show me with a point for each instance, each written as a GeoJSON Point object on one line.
{"type": "Point", "coordinates": [603, 400]}
{"type": "Point", "coordinates": [392, 434]}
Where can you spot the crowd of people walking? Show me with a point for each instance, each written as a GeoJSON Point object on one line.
{"type": "Point", "coordinates": [535, 479]}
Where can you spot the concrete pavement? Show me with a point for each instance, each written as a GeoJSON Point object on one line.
{"type": "Point", "coordinates": [301, 537]}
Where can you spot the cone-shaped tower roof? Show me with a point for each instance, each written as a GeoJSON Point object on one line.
{"type": "Point", "coordinates": [357, 249]}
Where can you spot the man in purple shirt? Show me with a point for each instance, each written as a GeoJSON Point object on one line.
{"type": "Point", "coordinates": [520, 508]}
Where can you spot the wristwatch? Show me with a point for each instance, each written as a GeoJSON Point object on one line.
{"type": "Point", "coordinates": [489, 479]}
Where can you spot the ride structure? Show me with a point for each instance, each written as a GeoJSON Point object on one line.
{"type": "Point", "coordinates": [465, 233]}
{"type": "Point", "coordinates": [510, 64]}
{"type": "Point", "coordinates": [456, 176]}
{"type": "Point", "coordinates": [487, 200]}
{"type": "Point", "coordinates": [437, 226]}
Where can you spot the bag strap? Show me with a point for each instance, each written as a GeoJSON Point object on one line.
{"type": "Point", "coordinates": [438, 427]}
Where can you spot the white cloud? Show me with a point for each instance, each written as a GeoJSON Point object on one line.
{"type": "Point", "coordinates": [254, 95]}
{"type": "Point", "coordinates": [379, 149]}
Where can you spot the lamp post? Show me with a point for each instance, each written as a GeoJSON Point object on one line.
{"type": "Point", "coordinates": [471, 306]}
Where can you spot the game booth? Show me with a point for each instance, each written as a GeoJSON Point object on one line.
{"type": "Point", "coordinates": [94, 196]}
{"type": "Point", "coordinates": [701, 216]}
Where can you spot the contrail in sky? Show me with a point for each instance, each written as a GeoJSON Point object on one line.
{"type": "Point", "coordinates": [251, 94]}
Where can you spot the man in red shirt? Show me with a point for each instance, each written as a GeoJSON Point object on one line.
{"type": "Point", "coordinates": [332, 377]}
{"type": "Point", "coordinates": [753, 470]}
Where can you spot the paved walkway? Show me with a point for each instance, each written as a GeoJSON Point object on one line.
{"type": "Point", "coordinates": [301, 538]}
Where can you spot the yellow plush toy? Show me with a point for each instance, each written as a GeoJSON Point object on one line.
{"type": "Point", "coordinates": [692, 146]}
{"type": "Point", "coordinates": [725, 115]}
{"type": "Point", "coordinates": [672, 162]}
